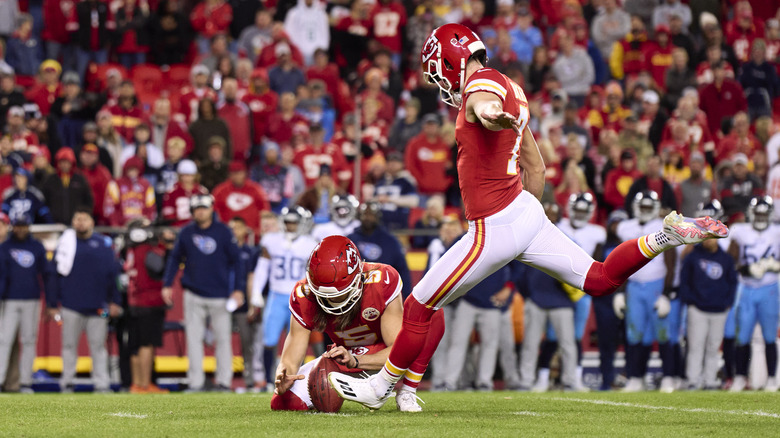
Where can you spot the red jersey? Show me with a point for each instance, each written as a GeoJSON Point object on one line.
{"type": "Point", "coordinates": [44, 96]}
{"type": "Point", "coordinates": [189, 100]}
{"type": "Point", "coordinates": [310, 161]}
{"type": "Point", "coordinates": [142, 289]}
{"type": "Point", "coordinates": [279, 130]}
{"type": "Point", "coordinates": [245, 202]}
{"type": "Point", "coordinates": [98, 178]}
{"type": "Point", "coordinates": [261, 106]}
{"type": "Point", "coordinates": [125, 120]}
{"type": "Point", "coordinates": [381, 286]}
{"type": "Point", "coordinates": [211, 20]}
{"type": "Point", "coordinates": [387, 21]}
{"type": "Point", "coordinates": [487, 160]}
{"type": "Point", "coordinates": [128, 199]}
{"type": "Point", "coordinates": [176, 204]}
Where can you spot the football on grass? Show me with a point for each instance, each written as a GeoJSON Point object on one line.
{"type": "Point", "coordinates": [323, 397]}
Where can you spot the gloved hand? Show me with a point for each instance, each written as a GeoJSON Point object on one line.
{"type": "Point", "coordinates": [757, 269]}
{"type": "Point", "coordinates": [771, 264]}
{"type": "Point", "coordinates": [619, 305]}
{"type": "Point", "coordinates": [662, 306]}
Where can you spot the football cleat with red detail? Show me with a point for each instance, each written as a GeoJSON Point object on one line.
{"type": "Point", "coordinates": [685, 230]}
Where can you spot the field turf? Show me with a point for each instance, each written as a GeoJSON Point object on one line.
{"type": "Point", "coordinates": [458, 414]}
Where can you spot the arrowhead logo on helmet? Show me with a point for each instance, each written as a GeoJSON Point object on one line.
{"type": "Point", "coordinates": [335, 275]}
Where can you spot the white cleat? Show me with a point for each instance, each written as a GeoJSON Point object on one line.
{"type": "Point", "coordinates": [359, 390]}
{"type": "Point", "coordinates": [634, 384]}
{"type": "Point", "coordinates": [667, 385]}
{"type": "Point", "coordinates": [685, 230]}
{"type": "Point", "coordinates": [771, 385]}
{"type": "Point", "coordinates": [407, 401]}
{"type": "Point", "coordinates": [739, 384]}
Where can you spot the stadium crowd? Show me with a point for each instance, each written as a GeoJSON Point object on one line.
{"type": "Point", "coordinates": [128, 113]}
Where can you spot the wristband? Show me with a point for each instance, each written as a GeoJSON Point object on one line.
{"type": "Point", "coordinates": [357, 364]}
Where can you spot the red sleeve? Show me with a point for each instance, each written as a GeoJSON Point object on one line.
{"type": "Point", "coordinates": [168, 208]}
{"type": "Point", "coordinates": [487, 79]}
{"type": "Point", "coordinates": [300, 306]}
{"type": "Point", "coordinates": [611, 194]}
{"type": "Point", "coordinates": [262, 199]}
{"type": "Point", "coordinates": [225, 17]}
{"type": "Point", "coordinates": [392, 283]}
{"type": "Point", "coordinates": [198, 18]}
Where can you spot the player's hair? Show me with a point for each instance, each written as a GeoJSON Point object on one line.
{"type": "Point", "coordinates": [480, 56]}
{"type": "Point", "coordinates": [341, 321]}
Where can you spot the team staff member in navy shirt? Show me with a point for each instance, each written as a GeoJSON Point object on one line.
{"type": "Point", "coordinates": [23, 269]}
{"type": "Point", "coordinates": [213, 274]}
{"type": "Point", "coordinates": [708, 285]}
{"type": "Point", "coordinates": [11, 382]}
{"type": "Point", "coordinates": [86, 289]}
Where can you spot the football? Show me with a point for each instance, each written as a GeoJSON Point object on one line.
{"type": "Point", "coordinates": [323, 397]}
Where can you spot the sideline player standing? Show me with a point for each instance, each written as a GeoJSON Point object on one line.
{"type": "Point", "coordinates": [505, 221]}
{"type": "Point", "coordinates": [361, 312]}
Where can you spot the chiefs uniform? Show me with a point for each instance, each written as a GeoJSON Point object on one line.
{"type": "Point", "coordinates": [310, 160]}
{"type": "Point", "coordinates": [176, 204]}
{"type": "Point", "coordinates": [189, 100]}
{"type": "Point", "coordinates": [363, 335]}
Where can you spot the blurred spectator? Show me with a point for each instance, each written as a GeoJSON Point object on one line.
{"type": "Point", "coordinates": [653, 119]}
{"type": "Point", "coordinates": [653, 181]}
{"type": "Point", "coordinates": [48, 88]}
{"type": "Point", "coordinates": [708, 285]}
{"type": "Point", "coordinates": [760, 82]}
{"type": "Point", "coordinates": [72, 109]}
{"type": "Point", "coordinates": [126, 113]}
{"type": "Point", "coordinates": [324, 70]}
{"type": "Point", "coordinates": [262, 101]}
{"type": "Point", "coordinates": [395, 190]}
{"type": "Point", "coordinates": [418, 29]}
{"type": "Point", "coordinates": [110, 141]}
{"type": "Point", "coordinates": [24, 272]}
{"type": "Point", "coordinates": [141, 147]}
{"type": "Point", "coordinates": [66, 190]}
{"type": "Point", "coordinates": [525, 37]}
{"type": "Point", "coordinates": [224, 68]}
{"type": "Point", "coordinates": [388, 22]}
{"type": "Point", "coordinates": [237, 118]}
{"type": "Point", "coordinates": [658, 55]}
{"type": "Point", "coordinates": [218, 50]}
{"type": "Point", "coordinates": [572, 125]}
{"type": "Point", "coordinates": [538, 69]}
{"type": "Point", "coordinates": [41, 168]}
{"type": "Point", "coordinates": [21, 137]}
{"type": "Point", "coordinates": [145, 265]}
{"type": "Point", "coordinates": [317, 198]}
{"type": "Point", "coordinates": [573, 183]}
{"type": "Point", "coordinates": [274, 177]}
{"type": "Point", "coordinates": [23, 50]}
{"type": "Point", "coordinates": [504, 58]}
{"type": "Point", "coordinates": [678, 77]}
{"type": "Point", "coordinates": [164, 129]}
{"type": "Point", "coordinates": [191, 96]}
{"type": "Point", "coordinates": [574, 69]}
{"type": "Point", "coordinates": [9, 94]}
{"type": "Point", "coordinates": [713, 36]}
{"type": "Point", "coordinates": [170, 31]}
{"type": "Point", "coordinates": [129, 197]}
{"type": "Point", "coordinates": [575, 152]}
{"type": "Point", "coordinates": [307, 26]}
{"type": "Point", "coordinates": [427, 158]}
{"type": "Point", "coordinates": [377, 245]}
{"type": "Point", "coordinates": [91, 27]}
{"type": "Point", "coordinates": [431, 220]}
{"type": "Point", "coordinates": [240, 197]}
{"type": "Point", "coordinates": [132, 32]}
{"type": "Point", "coordinates": [610, 26]}
{"type": "Point", "coordinates": [704, 74]}
{"type": "Point", "coordinates": [280, 124]}
{"type": "Point", "coordinates": [213, 274]}
{"type": "Point", "coordinates": [618, 180]}
{"type": "Point", "coordinates": [722, 98]}
{"type": "Point", "coordinates": [316, 153]}
{"type": "Point", "coordinates": [628, 56]}
{"type": "Point", "coordinates": [210, 18]}
{"type": "Point", "coordinates": [697, 189]}
{"type": "Point", "coordinates": [737, 189]}
{"type": "Point", "coordinates": [23, 199]}
{"type": "Point", "coordinates": [739, 141]}
{"type": "Point", "coordinates": [678, 34]}
{"type": "Point", "coordinates": [663, 13]}
{"type": "Point", "coordinates": [407, 127]}
{"type": "Point", "coordinates": [373, 91]}
{"type": "Point", "coordinates": [84, 293]}
{"type": "Point", "coordinates": [98, 177]}
{"type": "Point", "coordinates": [168, 173]}
{"type": "Point", "coordinates": [246, 318]}
{"type": "Point", "coordinates": [285, 76]}
{"type": "Point", "coordinates": [55, 33]}
{"type": "Point", "coordinates": [631, 138]}
{"type": "Point", "coordinates": [742, 31]}
{"type": "Point", "coordinates": [255, 37]}
{"type": "Point", "coordinates": [207, 126]}
{"type": "Point", "coordinates": [477, 21]}
{"type": "Point", "coordinates": [176, 203]}
{"type": "Point", "coordinates": [214, 169]}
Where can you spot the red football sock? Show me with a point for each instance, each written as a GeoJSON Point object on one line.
{"type": "Point", "coordinates": [287, 402]}
{"type": "Point", "coordinates": [411, 339]}
{"type": "Point", "coordinates": [416, 371]}
{"type": "Point", "coordinates": [604, 278]}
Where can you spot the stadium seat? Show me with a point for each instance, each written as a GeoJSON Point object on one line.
{"type": "Point", "coordinates": [148, 81]}
{"type": "Point", "coordinates": [177, 77]}
{"type": "Point", "coordinates": [96, 76]}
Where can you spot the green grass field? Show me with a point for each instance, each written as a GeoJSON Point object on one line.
{"type": "Point", "coordinates": [445, 414]}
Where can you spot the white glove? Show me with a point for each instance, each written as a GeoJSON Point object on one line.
{"type": "Point", "coordinates": [619, 305]}
{"type": "Point", "coordinates": [257, 301]}
{"type": "Point", "coordinates": [757, 269]}
{"type": "Point", "coordinates": [771, 264]}
{"type": "Point", "coordinates": [662, 306]}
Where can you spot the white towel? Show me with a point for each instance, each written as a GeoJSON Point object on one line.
{"type": "Point", "coordinates": [66, 252]}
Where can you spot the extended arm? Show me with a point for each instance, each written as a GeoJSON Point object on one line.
{"type": "Point", "coordinates": [532, 163]}
{"type": "Point", "coordinates": [293, 353]}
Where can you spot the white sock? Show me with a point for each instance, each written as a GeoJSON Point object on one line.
{"type": "Point", "coordinates": [657, 243]}
{"type": "Point", "coordinates": [383, 383]}
{"type": "Point", "coordinates": [543, 376]}
{"type": "Point", "coordinates": [407, 388]}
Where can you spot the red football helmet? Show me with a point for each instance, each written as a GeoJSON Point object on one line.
{"type": "Point", "coordinates": [444, 58]}
{"type": "Point", "coordinates": [335, 271]}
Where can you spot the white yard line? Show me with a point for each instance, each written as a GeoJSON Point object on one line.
{"type": "Point", "coordinates": [529, 414]}
{"type": "Point", "coordinates": [668, 408]}
{"type": "Point", "coordinates": [128, 415]}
